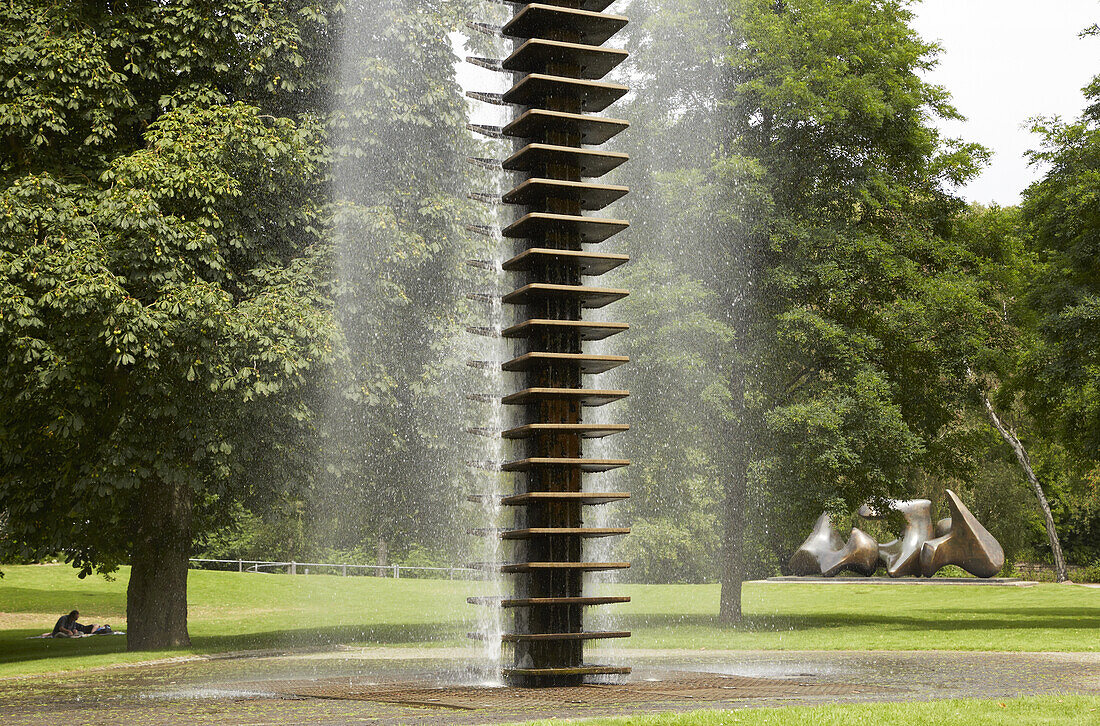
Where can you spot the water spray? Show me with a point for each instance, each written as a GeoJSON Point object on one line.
{"type": "Point", "coordinates": [557, 64]}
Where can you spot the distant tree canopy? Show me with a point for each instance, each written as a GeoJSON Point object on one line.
{"type": "Point", "coordinates": [162, 186]}
{"type": "Point", "coordinates": [393, 427]}
{"type": "Point", "coordinates": [1062, 211]}
{"type": "Point", "coordinates": [681, 340]}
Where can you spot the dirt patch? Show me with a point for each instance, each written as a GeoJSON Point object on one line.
{"type": "Point", "coordinates": [26, 621]}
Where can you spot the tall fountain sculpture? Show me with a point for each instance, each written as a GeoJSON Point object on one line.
{"type": "Point", "coordinates": [557, 63]}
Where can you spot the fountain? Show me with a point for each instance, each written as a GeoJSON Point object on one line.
{"type": "Point", "coordinates": [556, 63]}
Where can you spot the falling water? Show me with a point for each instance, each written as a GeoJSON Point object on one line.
{"type": "Point", "coordinates": [486, 507]}
{"type": "Point", "coordinates": [605, 549]}
{"type": "Point", "coordinates": [468, 397]}
{"type": "Point", "coordinates": [396, 447]}
{"type": "Point", "coordinates": [489, 182]}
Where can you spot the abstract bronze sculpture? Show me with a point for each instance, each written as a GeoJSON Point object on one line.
{"type": "Point", "coordinates": [825, 552]}
{"type": "Point", "coordinates": [901, 557]}
{"type": "Point", "coordinates": [557, 63]}
{"type": "Point", "coordinates": [923, 549]}
{"type": "Point", "coordinates": [966, 544]}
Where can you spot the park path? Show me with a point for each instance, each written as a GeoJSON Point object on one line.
{"type": "Point", "coordinates": [339, 686]}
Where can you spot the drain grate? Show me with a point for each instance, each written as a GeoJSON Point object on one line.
{"type": "Point", "coordinates": [699, 688]}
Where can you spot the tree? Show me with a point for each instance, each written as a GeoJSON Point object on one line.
{"type": "Point", "coordinates": [1059, 378]}
{"type": "Point", "coordinates": [161, 195]}
{"type": "Point", "coordinates": [1013, 440]}
{"type": "Point", "coordinates": [794, 228]}
{"type": "Point", "coordinates": [1001, 261]}
{"type": "Point", "coordinates": [680, 339]}
{"type": "Point", "coordinates": [391, 437]}
{"type": "Point", "coordinates": [855, 320]}
{"type": "Point", "coordinates": [1061, 213]}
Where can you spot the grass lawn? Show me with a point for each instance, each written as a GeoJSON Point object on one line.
{"type": "Point", "coordinates": [782, 616]}
{"type": "Point", "coordinates": [1008, 712]}
{"type": "Point", "coordinates": [231, 611]}
{"type": "Point", "coordinates": [227, 611]}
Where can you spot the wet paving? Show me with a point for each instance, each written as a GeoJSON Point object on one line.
{"type": "Point", "coordinates": [437, 686]}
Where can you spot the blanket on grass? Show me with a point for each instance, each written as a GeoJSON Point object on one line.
{"type": "Point", "coordinates": [78, 635]}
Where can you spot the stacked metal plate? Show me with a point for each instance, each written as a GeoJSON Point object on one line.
{"type": "Point", "coordinates": [557, 64]}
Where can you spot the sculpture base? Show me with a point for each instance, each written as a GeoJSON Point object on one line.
{"type": "Point", "coordinates": [967, 581]}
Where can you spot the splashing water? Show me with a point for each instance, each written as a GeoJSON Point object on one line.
{"type": "Point", "coordinates": [488, 183]}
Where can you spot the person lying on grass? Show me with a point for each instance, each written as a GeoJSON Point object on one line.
{"type": "Point", "coordinates": [68, 627]}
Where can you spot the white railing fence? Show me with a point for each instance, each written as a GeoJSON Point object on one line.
{"type": "Point", "coordinates": [336, 568]}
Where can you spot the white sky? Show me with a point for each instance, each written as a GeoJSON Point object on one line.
{"type": "Point", "coordinates": [1005, 61]}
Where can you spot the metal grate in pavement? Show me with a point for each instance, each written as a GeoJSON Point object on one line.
{"type": "Point", "coordinates": [700, 688]}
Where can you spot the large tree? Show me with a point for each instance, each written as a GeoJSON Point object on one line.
{"type": "Point", "coordinates": [680, 339]}
{"type": "Point", "coordinates": [1059, 377]}
{"type": "Point", "coordinates": [161, 190]}
{"type": "Point", "coordinates": [792, 218]}
{"type": "Point", "coordinates": [1001, 262]}
{"type": "Point", "coordinates": [1062, 213]}
{"type": "Point", "coordinates": [854, 317]}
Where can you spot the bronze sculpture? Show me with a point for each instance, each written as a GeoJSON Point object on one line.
{"type": "Point", "coordinates": [922, 549]}
{"type": "Point", "coordinates": [825, 553]}
{"type": "Point", "coordinates": [901, 557]}
{"type": "Point", "coordinates": [967, 544]}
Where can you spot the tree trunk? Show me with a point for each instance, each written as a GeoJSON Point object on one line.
{"type": "Point", "coordinates": [733, 529]}
{"type": "Point", "coordinates": [156, 598]}
{"type": "Point", "coordinates": [738, 446]}
{"type": "Point", "coordinates": [733, 560]}
{"type": "Point", "coordinates": [1010, 437]}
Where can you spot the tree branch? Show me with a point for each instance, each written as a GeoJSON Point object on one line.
{"type": "Point", "coordinates": [1025, 463]}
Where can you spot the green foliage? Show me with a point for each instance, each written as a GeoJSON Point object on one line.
{"type": "Point", "coordinates": [83, 79]}
{"type": "Point", "coordinates": [856, 314]}
{"type": "Point", "coordinates": [681, 548]}
{"type": "Point", "coordinates": [181, 156]}
{"type": "Point", "coordinates": [1036, 264]}
{"type": "Point", "coordinates": [1072, 486]}
{"type": "Point", "coordinates": [143, 331]}
{"type": "Point", "coordinates": [866, 316]}
{"type": "Point", "coordinates": [162, 197]}
{"type": "Point", "coordinates": [390, 438]}
{"type": "Point", "coordinates": [796, 203]}
{"type": "Point", "coordinates": [1061, 211]}
{"type": "Point", "coordinates": [829, 300]}
{"type": "Point", "coordinates": [680, 340]}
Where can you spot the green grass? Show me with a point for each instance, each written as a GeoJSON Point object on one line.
{"type": "Point", "coordinates": [231, 611]}
{"type": "Point", "coordinates": [1077, 710]}
{"type": "Point", "coordinates": [227, 611]}
{"type": "Point", "coordinates": [781, 616]}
